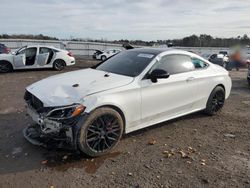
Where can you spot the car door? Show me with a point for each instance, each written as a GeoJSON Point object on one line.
{"type": "Point", "coordinates": [169, 97]}
{"type": "Point", "coordinates": [43, 56]}
{"type": "Point", "coordinates": [19, 59]}
{"type": "Point", "coordinates": [26, 57]}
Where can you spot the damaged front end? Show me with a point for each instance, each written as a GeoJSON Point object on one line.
{"type": "Point", "coordinates": [55, 126]}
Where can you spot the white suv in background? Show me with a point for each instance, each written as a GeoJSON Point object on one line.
{"type": "Point", "coordinates": [106, 54]}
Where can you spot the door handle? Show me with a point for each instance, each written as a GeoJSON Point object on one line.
{"type": "Point", "coordinates": [190, 79]}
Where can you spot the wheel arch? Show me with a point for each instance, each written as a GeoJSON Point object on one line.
{"type": "Point", "coordinates": [220, 85]}
{"type": "Point", "coordinates": [208, 110]}
{"type": "Point", "coordinates": [116, 108]}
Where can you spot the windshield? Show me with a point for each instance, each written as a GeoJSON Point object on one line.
{"type": "Point", "coordinates": [16, 52]}
{"type": "Point", "coordinates": [128, 63]}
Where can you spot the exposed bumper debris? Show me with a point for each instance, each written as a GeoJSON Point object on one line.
{"type": "Point", "coordinates": [63, 137]}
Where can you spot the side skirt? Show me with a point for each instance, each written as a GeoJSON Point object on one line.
{"type": "Point", "coordinates": [151, 123]}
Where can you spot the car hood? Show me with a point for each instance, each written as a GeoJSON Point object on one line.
{"type": "Point", "coordinates": [69, 88]}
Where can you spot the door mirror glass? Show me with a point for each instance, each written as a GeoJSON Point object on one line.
{"type": "Point", "coordinates": [158, 74]}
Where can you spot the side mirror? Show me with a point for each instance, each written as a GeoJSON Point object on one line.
{"type": "Point", "coordinates": [158, 74]}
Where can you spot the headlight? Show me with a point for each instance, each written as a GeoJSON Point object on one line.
{"type": "Point", "coordinates": [66, 112]}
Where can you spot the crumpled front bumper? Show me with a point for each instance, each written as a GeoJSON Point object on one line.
{"type": "Point", "coordinates": [53, 133]}
{"type": "Point", "coordinates": [32, 135]}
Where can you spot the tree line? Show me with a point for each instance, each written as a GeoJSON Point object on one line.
{"type": "Point", "coordinates": [23, 36]}
{"type": "Point", "coordinates": [202, 40]}
{"type": "Point", "coordinates": [209, 41]}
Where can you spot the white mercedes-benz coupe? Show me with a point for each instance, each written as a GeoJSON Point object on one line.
{"type": "Point", "coordinates": [36, 57]}
{"type": "Point", "coordinates": [89, 110]}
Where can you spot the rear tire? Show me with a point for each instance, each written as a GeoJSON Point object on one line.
{"type": "Point", "coordinates": [5, 67]}
{"type": "Point", "coordinates": [59, 65]}
{"type": "Point", "coordinates": [103, 58]}
{"type": "Point", "coordinates": [101, 132]}
{"type": "Point", "coordinates": [215, 101]}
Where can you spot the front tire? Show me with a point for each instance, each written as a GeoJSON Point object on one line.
{"type": "Point", "coordinates": [59, 65]}
{"type": "Point", "coordinates": [101, 132]}
{"type": "Point", "coordinates": [5, 67]}
{"type": "Point", "coordinates": [215, 101]}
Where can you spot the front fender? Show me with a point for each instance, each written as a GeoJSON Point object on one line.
{"type": "Point", "coordinates": [127, 101]}
{"type": "Point", "coordinates": [93, 103]}
{"type": "Point", "coordinates": [7, 57]}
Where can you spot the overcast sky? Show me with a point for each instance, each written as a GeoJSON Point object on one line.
{"type": "Point", "coordinates": [125, 19]}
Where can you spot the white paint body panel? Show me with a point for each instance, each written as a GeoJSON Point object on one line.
{"type": "Point", "coordinates": [18, 61]}
{"type": "Point", "coordinates": [142, 102]}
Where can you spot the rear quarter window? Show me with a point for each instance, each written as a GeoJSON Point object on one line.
{"type": "Point", "coordinates": [44, 50]}
{"type": "Point", "coordinates": [199, 64]}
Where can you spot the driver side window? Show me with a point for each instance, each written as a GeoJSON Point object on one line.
{"type": "Point", "coordinates": [21, 52]}
{"type": "Point", "coordinates": [29, 52]}
{"type": "Point", "coordinates": [175, 64]}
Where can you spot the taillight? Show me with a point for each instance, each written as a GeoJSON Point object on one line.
{"type": "Point", "coordinates": [70, 54]}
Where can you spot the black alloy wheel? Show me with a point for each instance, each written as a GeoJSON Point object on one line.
{"type": "Point", "coordinates": [215, 101]}
{"type": "Point", "coordinates": [100, 132]}
{"type": "Point", "coordinates": [218, 101]}
{"type": "Point", "coordinates": [103, 133]}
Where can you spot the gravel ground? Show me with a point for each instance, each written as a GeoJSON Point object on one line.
{"type": "Point", "coordinates": [193, 151]}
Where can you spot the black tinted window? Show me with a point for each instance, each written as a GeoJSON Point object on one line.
{"type": "Point", "coordinates": [213, 56]}
{"type": "Point", "coordinates": [175, 64]}
{"type": "Point", "coordinates": [128, 63]}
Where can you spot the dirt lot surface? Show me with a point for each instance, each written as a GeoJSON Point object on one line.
{"type": "Point", "coordinates": [193, 151]}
